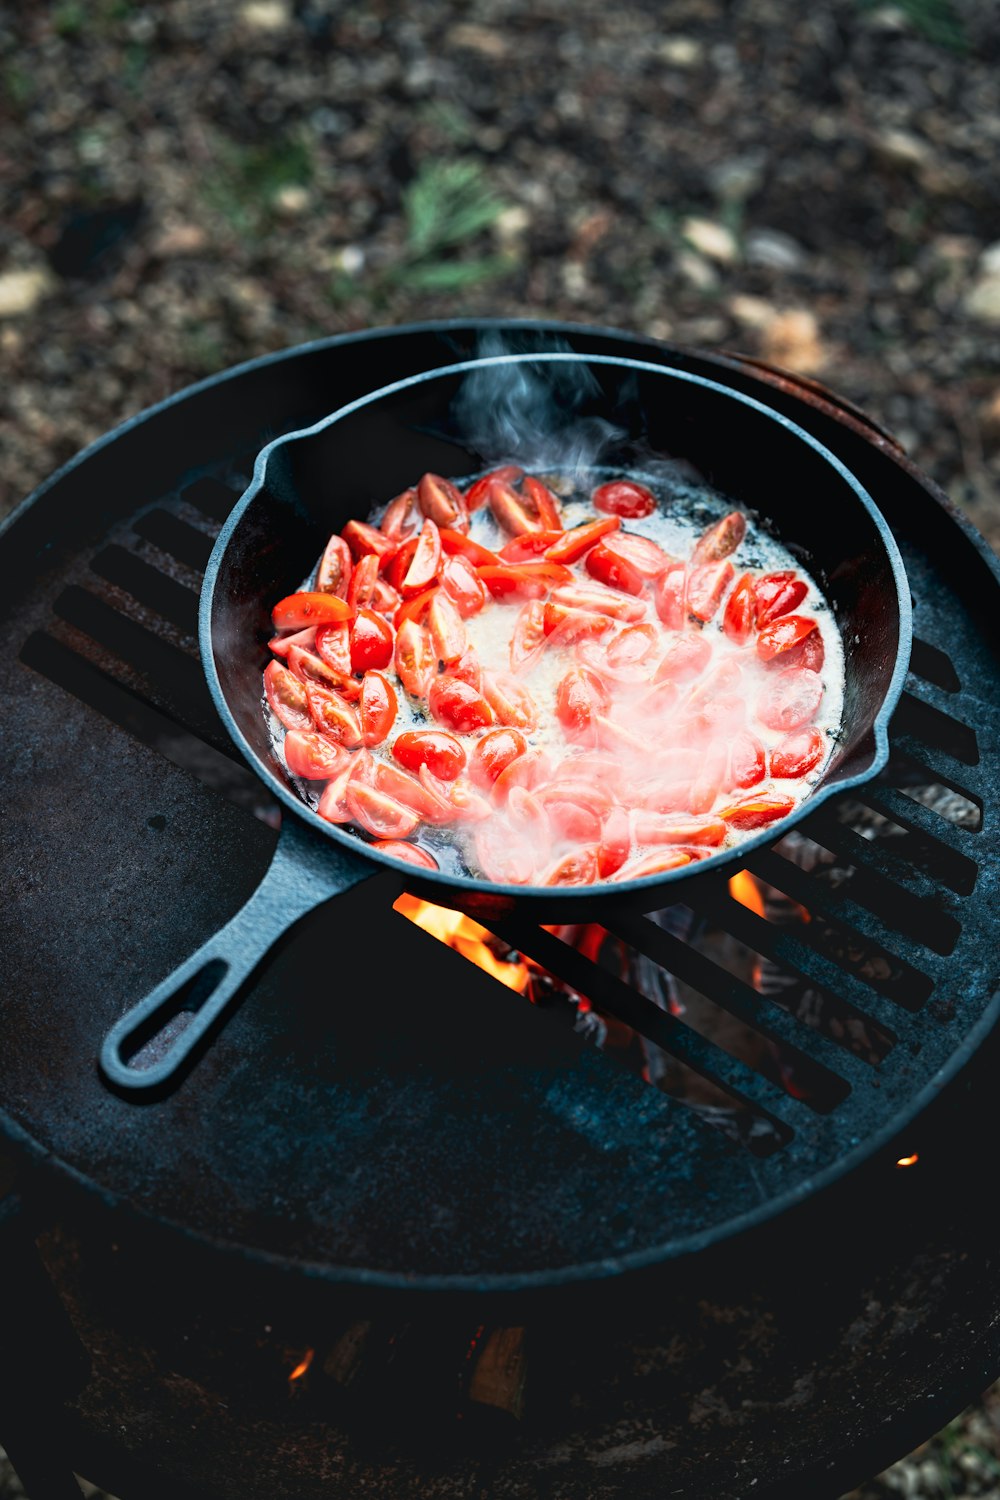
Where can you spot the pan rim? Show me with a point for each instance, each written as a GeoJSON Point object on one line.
{"type": "Point", "coordinates": [619, 892]}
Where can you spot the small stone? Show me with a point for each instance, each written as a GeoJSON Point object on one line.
{"type": "Point", "coordinates": [711, 239]}
{"type": "Point", "coordinates": [752, 312]}
{"type": "Point", "coordinates": [680, 51]}
{"type": "Point", "coordinates": [574, 280]}
{"type": "Point", "coordinates": [982, 300]}
{"type": "Point", "coordinates": [512, 224]}
{"type": "Point", "coordinates": [698, 271]}
{"type": "Point", "coordinates": [179, 239]}
{"type": "Point", "coordinates": [21, 291]}
{"type": "Point", "coordinates": [792, 340]}
{"type": "Point", "coordinates": [486, 40]}
{"type": "Point", "coordinates": [902, 149]}
{"type": "Point", "coordinates": [989, 414]}
{"type": "Point", "coordinates": [350, 259]}
{"type": "Point", "coordinates": [772, 248]}
{"type": "Point", "coordinates": [266, 15]}
{"type": "Point", "coordinates": [737, 178]}
{"type": "Point", "coordinates": [989, 261]}
{"type": "Point", "coordinates": [292, 200]}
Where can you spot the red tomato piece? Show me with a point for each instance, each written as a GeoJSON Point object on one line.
{"type": "Point", "coordinates": [371, 642]}
{"type": "Point", "coordinates": [791, 700]}
{"type": "Point", "coordinates": [448, 634]}
{"type": "Point", "coordinates": [434, 748]}
{"type": "Point", "coordinates": [616, 737]}
{"type": "Point", "coordinates": [298, 611]}
{"type": "Point", "coordinates": [528, 635]}
{"type": "Point", "coordinates": [510, 700]}
{"type": "Point", "coordinates": [616, 841]}
{"type": "Point", "coordinates": [757, 812]}
{"type": "Point", "coordinates": [425, 797]}
{"type": "Point", "coordinates": [623, 497]}
{"type": "Point", "coordinates": [332, 804]}
{"type": "Point", "coordinates": [378, 813]}
{"type": "Point", "coordinates": [609, 567]}
{"type": "Point", "coordinates": [529, 546]}
{"type": "Point", "coordinates": [398, 565]}
{"type": "Point", "coordinates": [385, 597]}
{"type": "Point", "coordinates": [670, 596]}
{"type": "Point", "coordinates": [458, 705]}
{"type": "Point", "coordinates": [415, 608]}
{"type": "Point", "coordinates": [529, 770]}
{"type": "Point", "coordinates": [740, 618]}
{"type": "Point", "coordinates": [580, 698]}
{"type": "Point", "coordinates": [525, 814]}
{"type": "Point", "coordinates": [676, 828]}
{"type": "Point", "coordinates": [442, 503]}
{"type": "Point", "coordinates": [685, 658]}
{"type": "Point", "coordinates": [782, 635]}
{"type": "Point", "coordinates": [332, 716]}
{"type": "Point", "coordinates": [379, 705]}
{"type": "Point", "coordinates": [310, 668]}
{"type": "Point", "coordinates": [455, 544]}
{"type": "Point", "coordinates": [467, 805]}
{"type": "Point", "coordinates": [503, 859]}
{"type": "Point", "coordinates": [333, 576]}
{"type": "Point", "coordinates": [402, 516]}
{"type": "Point", "coordinates": [600, 600]}
{"type": "Point", "coordinates": [720, 540]}
{"type": "Point", "coordinates": [654, 864]}
{"type": "Point", "coordinates": [287, 697]}
{"type": "Point", "coordinates": [513, 512]}
{"type": "Point", "coordinates": [312, 756]}
{"type": "Point", "coordinates": [777, 594]}
{"type": "Point", "coordinates": [649, 560]}
{"type": "Point", "coordinates": [570, 819]}
{"type": "Point", "coordinates": [363, 581]}
{"type": "Point", "coordinates": [479, 490]}
{"type": "Point", "coordinates": [542, 502]}
{"type": "Point", "coordinates": [631, 646]}
{"type": "Point", "coordinates": [282, 644]}
{"type": "Point", "coordinates": [362, 539]}
{"type": "Point", "coordinates": [333, 645]}
{"type": "Point", "coordinates": [410, 854]}
{"type": "Point", "coordinates": [467, 669]}
{"type": "Point", "coordinates": [797, 754]}
{"type": "Point", "coordinates": [494, 753]}
{"type": "Point", "coordinates": [809, 653]}
{"type": "Point", "coordinates": [746, 760]}
{"type": "Point", "coordinates": [414, 658]}
{"type": "Point", "coordinates": [581, 867]}
{"type": "Point", "coordinates": [463, 586]}
{"type": "Point", "coordinates": [572, 545]}
{"type": "Point", "coordinates": [706, 585]}
{"type": "Point", "coordinates": [567, 788]}
{"type": "Point", "coordinates": [426, 561]}
{"type": "Point", "coordinates": [531, 580]}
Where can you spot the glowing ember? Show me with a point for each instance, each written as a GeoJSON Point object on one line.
{"type": "Point", "coordinates": [465, 936]}
{"type": "Point", "coordinates": [744, 889]}
{"type": "Point", "coordinates": [908, 1161]}
{"type": "Point", "coordinates": [302, 1366]}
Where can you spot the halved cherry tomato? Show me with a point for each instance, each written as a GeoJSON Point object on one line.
{"type": "Point", "coordinates": [298, 611]}
{"type": "Point", "coordinates": [510, 701]}
{"type": "Point", "coordinates": [810, 653]}
{"type": "Point", "coordinates": [479, 491]}
{"type": "Point", "coordinates": [332, 716]}
{"type": "Point", "coordinates": [468, 805]}
{"type": "Point", "coordinates": [528, 635]}
{"type": "Point", "coordinates": [379, 814]}
{"type": "Point", "coordinates": [435, 748]}
{"type": "Point", "coordinates": [310, 668]}
{"type": "Point", "coordinates": [573, 544]}
{"type": "Point", "coordinates": [362, 539]}
{"type": "Point", "coordinates": [669, 596]}
{"type": "Point", "coordinates": [570, 818]}
{"type": "Point", "coordinates": [312, 756]}
{"type": "Point", "coordinates": [564, 626]}
{"type": "Point", "coordinates": [454, 543]}
{"type": "Point", "coordinates": [757, 812]}
{"type": "Point", "coordinates": [791, 700]}
{"type": "Point", "coordinates": [371, 642]}
{"type": "Point", "coordinates": [646, 557]}
{"type": "Point", "coordinates": [423, 796]}
{"type": "Point", "coordinates": [414, 658]}
{"type": "Point", "coordinates": [797, 754]}
{"type": "Point", "coordinates": [463, 586]}
{"type": "Point", "coordinates": [777, 594]}
{"type": "Point", "coordinates": [426, 561]}
{"type": "Point", "coordinates": [529, 770]}
{"type": "Point", "coordinates": [363, 581]}
{"type": "Point", "coordinates": [398, 565]}
{"type": "Point", "coordinates": [379, 705]}
{"type": "Point", "coordinates": [602, 600]}
{"type": "Point", "coordinates": [720, 540]}
{"type": "Point", "coordinates": [783, 634]}
{"type": "Point", "coordinates": [602, 772]}
{"type": "Point", "coordinates": [282, 644]}
{"type": "Point", "coordinates": [653, 864]}
{"type": "Point", "coordinates": [410, 854]}
{"type": "Point", "coordinates": [740, 617]}
{"type": "Point", "coordinates": [501, 858]}
{"type": "Point", "coordinates": [623, 497]}
{"type": "Point", "coordinates": [581, 867]}
{"type": "Point", "coordinates": [580, 698]}
{"type": "Point", "coordinates": [415, 608]}
{"type": "Point", "coordinates": [609, 567]}
{"type": "Point", "coordinates": [532, 544]}
{"type": "Point", "coordinates": [442, 503]}
{"type": "Point", "coordinates": [527, 815]}
{"type": "Point", "coordinates": [494, 753]}
{"type": "Point", "coordinates": [631, 646]}
{"type": "Point", "coordinates": [333, 644]}
{"type": "Point", "coordinates": [333, 576]}
{"type": "Point", "coordinates": [287, 697]}
{"type": "Point", "coordinates": [676, 828]}
{"type": "Point", "coordinates": [616, 841]}
{"type": "Point", "coordinates": [385, 597]}
{"type": "Point", "coordinates": [448, 634]}
{"type": "Point", "coordinates": [706, 585]}
{"type": "Point", "coordinates": [402, 516]}
{"type": "Point", "coordinates": [542, 501]}
{"type": "Point", "coordinates": [595, 655]}
{"type": "Point", "coordinates": [512, 512]}
{"type": "Point", "coordinates": [530, 580]}
{"type": "Point", "coordinates": [459, 706]}
{"type": "Point", "coordinates": [617, 738]}
{"type": "Point", "coordinates": [746, 760]}
{"type": "Point", "coordinates": [332, 804]}
{"type": "Point", "coordinates": [685, 658]}
{"type": "Point", "coordinates": [468, 669]}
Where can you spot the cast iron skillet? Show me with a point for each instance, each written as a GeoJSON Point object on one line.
{"type": "Point", "coordinates": [308, 484]}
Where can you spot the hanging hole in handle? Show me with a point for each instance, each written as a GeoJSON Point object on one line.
{"type": "Point", "coordinates": [152, 1039]}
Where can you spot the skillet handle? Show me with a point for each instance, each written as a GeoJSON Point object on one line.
{"type": "Point", "coordinates": [299, 877]}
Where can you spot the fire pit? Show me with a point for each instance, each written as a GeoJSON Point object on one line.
{"type": "Point", "coordinates": [418, 1235]}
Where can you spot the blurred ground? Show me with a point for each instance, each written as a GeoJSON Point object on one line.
{"type": "Point", "coordinates": [187, 185]}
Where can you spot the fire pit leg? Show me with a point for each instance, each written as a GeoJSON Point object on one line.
{"type": "Point", "coordinates": [40, 1355]}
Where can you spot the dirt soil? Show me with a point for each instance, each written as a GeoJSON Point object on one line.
{"type": "Point", "coordinates": [187, 185]}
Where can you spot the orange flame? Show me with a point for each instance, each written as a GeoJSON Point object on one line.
{"type": "Point", "coordinates": [465, 936]}
{"type": "Point", "coordinates": [302, 1366]}
{"type": "Point", "coordinates": [908, 1161]}
{"type": "Point", "coordinates": [744, 889]}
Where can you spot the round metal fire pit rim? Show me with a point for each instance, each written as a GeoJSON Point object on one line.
{"type": "Point", "coordinates": [435, 884]}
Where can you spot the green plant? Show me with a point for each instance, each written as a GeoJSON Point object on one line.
{"type": "Point", "coordinates": [246, 179]}
{"type": "Point", "coordinates": [448, 204]}
{"type": "Point", "coordinates": [937, 20]}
